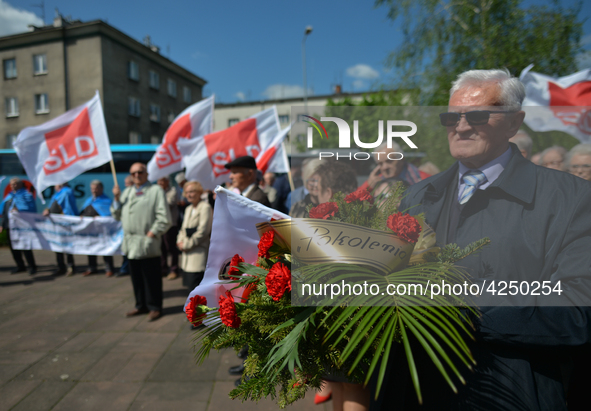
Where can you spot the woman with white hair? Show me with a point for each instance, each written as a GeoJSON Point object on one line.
{"type": "Point", "coordinates": [193, 237]}
{"type": "Point", "coordinates": [578, 161]}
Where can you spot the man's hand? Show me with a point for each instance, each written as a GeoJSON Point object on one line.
{"type": "Point", "coordinates": [374, 178]}
{"type": "Point", "coordinates": [179, 246]}
{"type": "Point", "coordinates": [116, 192]}
{"type": "Point", "coordinates": [1, 229]}
{"type": "Point", "coordinates": [46, 212]}
{"type": "Point", "coordinates": [151, 234]}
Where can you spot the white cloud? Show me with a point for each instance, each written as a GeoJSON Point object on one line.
{"type": "Point", "coordinates": [240, 96]}
{"type": "Point", "coordinates": [362, 71]}
{"type": "Point", "coordinates": [359, 84]}
{"type": "Point", "coordinates": [279, 91]}
{"type": "Point", "coordinates": [13, 20]}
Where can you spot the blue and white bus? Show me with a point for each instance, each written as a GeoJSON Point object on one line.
{"type": "Point", "coordinates": [124, 155]}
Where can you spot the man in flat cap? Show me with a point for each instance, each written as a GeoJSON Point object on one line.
{"type": "Point", "coordinates": [243, 173]}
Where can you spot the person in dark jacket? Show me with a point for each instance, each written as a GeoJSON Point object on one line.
{"type": "Point", "coordinates": [19, 199]}
{"type": "Point", "coordinates": [539, 225]}
{"type": "Point", "coordinates": [243, 173]}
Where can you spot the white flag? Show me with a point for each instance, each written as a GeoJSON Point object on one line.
{"type": "Point", "coordinates": [233, 232]}
{"type": "Point", "coordinates": [259, 136]}
{"type": "Point", "coordinates": [562, 104]}
{"type": "Point", "coordinates": [63, 148]}
{"type": "Point", "coordinates": [194, 122]}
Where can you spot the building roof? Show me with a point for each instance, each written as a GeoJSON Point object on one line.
{"type": "Point", "coordinates": [289, 100]}
{"type": "Point", "coordinates": [77, 28]}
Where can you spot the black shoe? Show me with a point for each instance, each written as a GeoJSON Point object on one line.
{"type": "Point", "coordinates": [18, 270]}
{"type": "Point", "coordinates": [32, 270]}
{"type": "Point", "coordinates": [243, 353]}
{"type": "Point", "coordinates": [239, 381]}
{"type": "Point", "coordinates": [237, 370]}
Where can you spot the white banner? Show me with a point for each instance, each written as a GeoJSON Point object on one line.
{"type": "Point", "coordinates": [63, 148]}
{"type": "Point", "coordinates": [66, 234]}
{"type": "Point", "coordinates": [233, 232]}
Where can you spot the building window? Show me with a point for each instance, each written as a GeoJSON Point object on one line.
{"type": "Point", "coordinates": [233, 121]}
{"type": "Point", "coordinates": [133, 71]}
{"type": "Point", "coordinates": [155, 140]}
{"type": "Point", "coordinates": [171, 116]}
{"type": "Point", "coordinates": [10, 140]}
{"type": "Point", "coordinates": [134, 107]}
{"type": "Point", "coordinates": [154, 80]}
{"type": "Point", "coordinates": [171, 87]}
{"type": "Point", "coordinates": [11, 107]}
{"type": "Point", "coordinates": [135, 137]}
{"type": "Point", "coordinates": [10, 68]}
{"type": "Point", "coordinates": [186, 94]}
{"type": "Point", "coordinates": [284, 119]}
{"type": "Point", "coordinates": [39, 64]}
{"type": "Point", "coordinates": [41, 103]}
{"type": "Point", "coordinates": [155, 113]}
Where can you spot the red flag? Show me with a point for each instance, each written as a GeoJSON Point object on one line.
{"type": "Point", "coordinates": [63, 148]}
{"type": "Point", "coordinates": [258, 136]}
{"type": "Point", "coordinates": [563, 103]}
{"type": "Point", "coordinates": [194, 122]}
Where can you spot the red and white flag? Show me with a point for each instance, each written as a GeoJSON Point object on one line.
{"type": "Point", "coordinates": [258, 136]}
{"type": "Point", "coordinates": [63, 148]}
{"type": "Point", "coordinates": [195, 121]}
{"type": "Point", "coordinates": [563, 103]}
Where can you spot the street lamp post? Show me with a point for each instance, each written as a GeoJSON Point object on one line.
{"type": "Point", "coordinates": [308, 31]}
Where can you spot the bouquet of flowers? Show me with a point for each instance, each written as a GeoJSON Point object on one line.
{"type": "Point", "coordinates": [293, 347]}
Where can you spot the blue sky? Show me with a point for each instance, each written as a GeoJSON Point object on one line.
{"type": "Point", "coordinates": [250, 50]}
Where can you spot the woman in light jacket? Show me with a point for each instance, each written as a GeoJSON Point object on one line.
{"type": "Point", "coordinates": [193, 238]}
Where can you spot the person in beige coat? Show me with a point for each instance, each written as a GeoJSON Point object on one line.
{"type": "Point", "coordinates": [193, 238]}
{"type": "Point", "coordinates": [145, 216]}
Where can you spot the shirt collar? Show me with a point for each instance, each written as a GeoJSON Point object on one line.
{"type": "Point", "coordinates": [248, 189]}
{"type": "Point", "coordinates": [492, 170]}
{"type": "Point", "coordinates": [140, 188]}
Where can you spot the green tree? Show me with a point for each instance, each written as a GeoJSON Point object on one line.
{"type": "Point", "coordinates": [443, 38]}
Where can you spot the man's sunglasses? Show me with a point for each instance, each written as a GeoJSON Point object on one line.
{"type": "Point", "coordinates": [137, 172]}
{"type": "Point", "coordinates": [474, 118]}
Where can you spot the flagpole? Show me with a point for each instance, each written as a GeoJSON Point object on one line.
{"type": "Point", "coordinates": [291, 184]}
{"type": "Point", "coordinates": [114, 173]}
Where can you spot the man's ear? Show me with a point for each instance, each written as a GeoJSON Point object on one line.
{"type": "Point", "coordinates": [515, 123]}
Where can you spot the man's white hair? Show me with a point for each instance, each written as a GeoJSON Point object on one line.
{"type": "Point", "coordinates": [580, 149]}
{"type": "Point", "coordinates": [512, 90]}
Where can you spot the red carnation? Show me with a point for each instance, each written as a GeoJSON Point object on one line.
{"type": "Point", "coordinates": [278, 280]}
{"type": "Point", "coordinates": [404, 226]}
{"type": "Point", "coordinates": [324, 210]}
{"type": "Point", "coordinates": [234, 264]}
{"type": "Point", "coordinates": [228, 311]}
{"type": "Point", "coordinates": [194, 314]}
{"type": "Point", "coordinates": [359, 195]}
{"type": "Point", "coordinates": [265, 243]}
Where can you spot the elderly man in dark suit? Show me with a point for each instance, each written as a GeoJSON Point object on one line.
{"type": "Point", "coordinates": [243, 173]}
{"type": "Point", "coordinates": [539, 224]}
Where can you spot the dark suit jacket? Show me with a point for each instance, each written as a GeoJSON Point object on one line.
{"type": "Point", "coordinates": [539, 224]}
{"type": "Point", "coordinates": [258, 195]}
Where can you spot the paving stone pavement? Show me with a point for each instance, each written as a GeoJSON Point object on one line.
{"type": "Point", "coordinates": [65, 344]}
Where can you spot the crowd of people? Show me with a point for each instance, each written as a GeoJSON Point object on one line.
{"type": "Point", "coordinates": [521, 352]}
